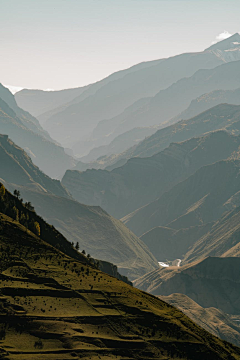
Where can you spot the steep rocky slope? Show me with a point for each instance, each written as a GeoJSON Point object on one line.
{"type": "Point", "coordinates": [199, 199]}
{"type": "Point", "coordinates": [212, 282]}
{"type": "Point", "coordinates": [169, 244]}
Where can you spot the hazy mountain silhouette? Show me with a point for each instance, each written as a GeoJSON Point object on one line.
{"type": "Point", "coordinates": [46, 154]}
{"type": "Point", "coordinates": [222, 116]}
{"type": "Point", "coordinates": [79, 119]}
{"type": "Point", "coordinates": [38, 102]}
{"type": "Point", "coordinates": [161, 107]}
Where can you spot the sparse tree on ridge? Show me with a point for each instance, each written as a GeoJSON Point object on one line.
{"type": "Point", "coordinates": [16, 193]}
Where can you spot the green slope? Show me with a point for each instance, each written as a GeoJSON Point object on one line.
{"type": "Point", "coordinates": [97, 232]}
{"type": "Point", "coordinates": [211, 319]}
{"type": "Point", "coordinates": [54, 306]}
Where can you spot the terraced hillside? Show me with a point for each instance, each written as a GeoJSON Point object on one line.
{"type": "Point", "coordinates": [54, 306]}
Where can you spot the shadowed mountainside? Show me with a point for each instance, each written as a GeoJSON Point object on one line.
{"type": "Point", "coordinates": [143, 180]}
{"type": "Point", "coordinates": [50, 157]}
{"type": "Point", "coordinates": [211, 282]}
{"type": "Point", "coordinates": [223, 116]}
{"type": "Point", "coordinates": [17, 167]}
{"type": "Point", "coordinates": [199, 199]}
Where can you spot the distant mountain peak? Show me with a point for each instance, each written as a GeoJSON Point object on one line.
{"type": "Point", "coordinates": [227, 44]}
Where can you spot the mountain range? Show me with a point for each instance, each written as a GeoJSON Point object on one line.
{"type": "Point", "coordinates": [120, 213]}
{"type": "Point", "coordinates": [26, 132]}
{"type": "Point", "coordinates": [148, 81]}
{"type": "Point", "coordinates": [143, 180]}
{"type": "Point", "coordinates": [108, 239]}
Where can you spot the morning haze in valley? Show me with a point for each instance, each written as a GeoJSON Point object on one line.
{"type": "Point", "coordinates": [120, 180]}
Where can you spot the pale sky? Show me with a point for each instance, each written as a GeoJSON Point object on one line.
{"type": "Point", "coordinates": [56, 44]}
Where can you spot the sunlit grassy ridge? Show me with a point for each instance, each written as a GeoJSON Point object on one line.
{"type": "Point", "coordinates": [54, 306]}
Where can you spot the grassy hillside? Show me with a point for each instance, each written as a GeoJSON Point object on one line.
{"type": "Point", "coordinates": [56, 307]}
{"type": "Point", "coordinates": [25, 214]}
{"type": "Point", "coordinates": [142, 180]}
{"type": "Point", "coordinates": [211, 319]}
{"type": "Point", "coordinates": [97, 232]}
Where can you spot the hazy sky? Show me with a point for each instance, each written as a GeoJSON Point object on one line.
{"type": "Point", "coordinates": [68, 43]}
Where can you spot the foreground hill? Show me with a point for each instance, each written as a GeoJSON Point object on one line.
{"type": "Point", "coordinates": [211, 319]}
{"type": "Point", "coordinates": [25, 214]}
{"type": "Point", "coordinates": [211, 282]}
{"type": "Point", "coordinates": [143, 180]}
{"type": "Point", "coordinates": [97, 232]}
{"type": "Point", "coordinates": [50, 157]}
{"type": "Point", "coordinates": [56, 306]}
